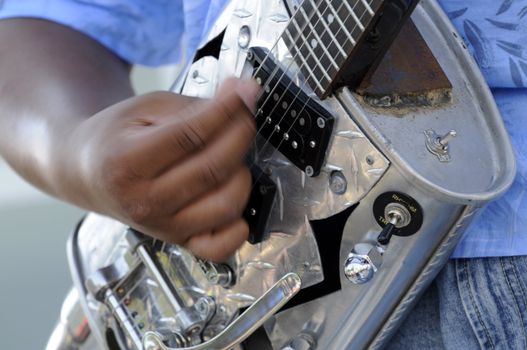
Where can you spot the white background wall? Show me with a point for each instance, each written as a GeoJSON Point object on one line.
{"type": "Point", "coordinates": [34, 277]}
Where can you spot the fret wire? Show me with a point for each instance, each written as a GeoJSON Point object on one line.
{"type": "Point", "coordinates": [307, 79]}
{"type": "Point", "coordinates": [301, 88]}
{"type": "Point", "coordinates": [337, 17]}
{"type": "Point", "coordinates": [306, 66]}
{"type": "Point", "coordinates": [317, 62]}
{"type": "Point", "coordinates": [319, 40]}
{"type": "Point", "coordinates": [328, 30]}
{"type": "Point", "coordinates": [359, 24]}
{"type": "Point", "coordinates": [368, 7]}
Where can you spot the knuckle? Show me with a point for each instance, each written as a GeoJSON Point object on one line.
{"type": "Point", "coordinates": [188, 137]}
{"type": "Point", "coordinates": [139, 212]}
{"type": "Point", "coordinates": [212, 174]}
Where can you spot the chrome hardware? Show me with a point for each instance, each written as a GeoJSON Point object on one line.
{"type": "Point", "coordinates": [362, 263]}
{"type": "Point", "coordinates": [438, 145]}
{"type": "Point", "coordinates": [338, 182]}
{"type": "Point", "coordinates": [244, 38]}
{"type": "Point", "coordinates": [73, 330]}
{"type": "Point", "coordinates": [219, 274]}
{"type": "Point", "coordinates": [243, 326]}
{"type": "Point", "coordinates": [303, 341]}
{"type": "Point", "coordinates": [309, 171]}
{"type": "Point", "coordinates": [398, 215]}
{"type": "Point", "coordinates": [189, 320]}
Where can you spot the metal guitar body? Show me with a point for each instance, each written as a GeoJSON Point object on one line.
{"type": "Point", "coordinates": [351, 235]}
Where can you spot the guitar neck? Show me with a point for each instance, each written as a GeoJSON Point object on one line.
{"type": "Point", "coordinates": [335, 43]}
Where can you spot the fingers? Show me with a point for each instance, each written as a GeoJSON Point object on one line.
{"type": "Point", "coordinates": [216, 208]}
{"type": "Point", "coordinates": [204, 171]}
{"type": "Point", "coordinates": [219, 245]}
{"type": "Point", "coordinates": [200, 123]}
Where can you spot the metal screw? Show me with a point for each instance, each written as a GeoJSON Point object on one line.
{"type": "Point", "coordinates": [244, 37]}
{"type": "Point", "coordinates": [202, 305]}
{"type": "Point", "coordinates": [338, 183]}
{"type": "Point", "coordinates": [321, 123]}
{"type": "Point", "coordinates": [447, 138]}
{"type": "Point", "coordinates": [309, 171]}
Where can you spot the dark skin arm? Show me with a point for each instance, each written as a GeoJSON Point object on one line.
{"type": "Point", "coordinates": [167, 165]}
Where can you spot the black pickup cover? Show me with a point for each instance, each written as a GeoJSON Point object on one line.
{"type": "Point", "coordinates": [293, 122]}
{"type": "Point", "coordinates": [260, 204]}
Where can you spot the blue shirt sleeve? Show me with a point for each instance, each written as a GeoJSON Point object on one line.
{"type": "Point", "coordinates": [141, 32]}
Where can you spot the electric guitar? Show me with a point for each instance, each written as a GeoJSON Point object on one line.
{"type": "Point", "coordinates": [377, 140]}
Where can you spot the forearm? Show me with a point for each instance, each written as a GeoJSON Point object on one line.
{"type": "Point", "coordinates": [52, 78]}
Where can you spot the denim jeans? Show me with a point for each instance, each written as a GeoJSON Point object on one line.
{"type": "Point", "coordinates": [473, 304]}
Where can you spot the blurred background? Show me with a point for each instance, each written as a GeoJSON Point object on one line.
{"type": "Point", "coordinates": [34, 276]}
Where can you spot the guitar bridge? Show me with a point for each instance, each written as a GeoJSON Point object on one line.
{"type": "Point", "coordinates": [288, 118]}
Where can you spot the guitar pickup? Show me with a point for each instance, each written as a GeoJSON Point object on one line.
{"type": "Point", "coordinates": [260, 204]}
{"type": "Point", "coordinates": [288, 118]}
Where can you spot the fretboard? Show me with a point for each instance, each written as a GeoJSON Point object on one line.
{"type": "Point", "coordinates": [324, 36]}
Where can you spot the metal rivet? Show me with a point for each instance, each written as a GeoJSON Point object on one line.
{"type": "Point", "coordinates": [284, 105]}
{"type": "Point", "coordinates": [244, 37]}
{"type": "Point", "coordinates": [321, 123]}
{"type": "Point", "coordinates": [310, 171]}
{"type": "Point", "coordinates": [302, 122]}
{"type": "Point", "coordinates": [338, 183]}
{"type": "Point", "coordinates": [370, 160]}
{"type": "Point", "coordinates": [286, 136]}
{"type": "Point", "coordinates": [276, 97]}
{"type": "Point", "coordinates": [312, 144]}
{"type": "Point", "coordinates": [293, 113]}
{"type": "Point", "coordinates": [269, 120]}
{"type": "Point", "coordinates": [294, 144]}
{"type": "Point", "coordinates": [252, 212]}
{"type": "Point", "coordinates": [259, 81]}
{"type": "Point", "coordinates": [277, 128]}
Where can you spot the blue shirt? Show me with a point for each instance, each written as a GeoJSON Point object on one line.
{"type": "Point", "coordinates": [155, 32]}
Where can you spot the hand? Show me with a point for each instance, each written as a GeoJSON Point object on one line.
{"type": "Point", "coordinates": [170, 166]}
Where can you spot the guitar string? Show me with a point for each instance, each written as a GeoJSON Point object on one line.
{"type": "Point", "coordinates": [303, 85]}
{"type": "Point", "coordinates": [273, 75]}
{"type": "Point", "coordinates": [277, 68]}
{"type": "Point", "coordinates": [306, 81]}
{"type": "Point", "coordinates": [300, 33]}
